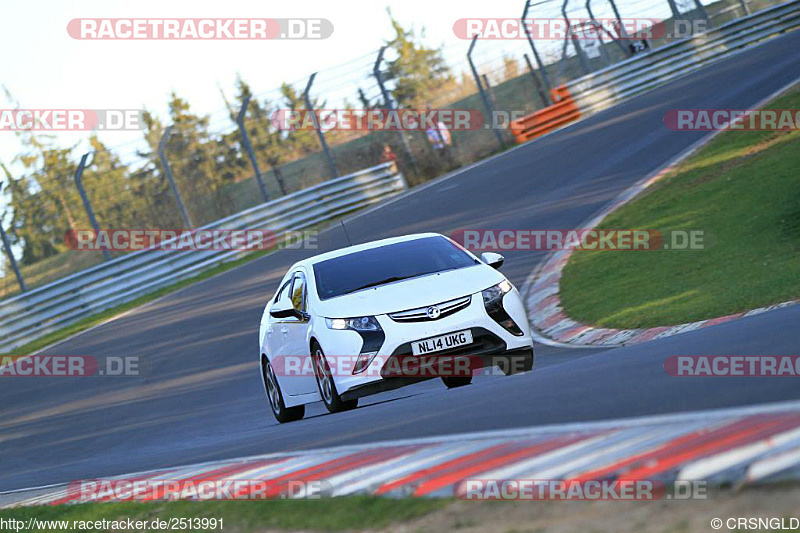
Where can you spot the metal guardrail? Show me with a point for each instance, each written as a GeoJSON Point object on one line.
{"type": "Point", "coordinates": [30, 315]}
{"type": "Point", "coordinates": [643, 72]}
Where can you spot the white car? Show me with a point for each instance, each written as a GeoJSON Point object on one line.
{"type": "Point", "coordinates": [384, 314]}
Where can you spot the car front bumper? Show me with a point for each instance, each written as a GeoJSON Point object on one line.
{"type": "Point", "coordinates": [492, 345]}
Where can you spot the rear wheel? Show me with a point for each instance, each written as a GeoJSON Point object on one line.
{"type": "Point", "coordinates": [327, 387]}
{"type": "Point", "coordinates": [275, 396]}
{"type": "Point", "coordinates": [452, 382]}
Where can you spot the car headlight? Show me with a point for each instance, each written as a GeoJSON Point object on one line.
{"type": "Point", "coordinates": [362, 323]}
{"type": "Point", "coordinates": [371, 334]}
{"type": "Point", "coordinates": [493, 296]}
{"type": "Point", "coordinates": [493, 302]}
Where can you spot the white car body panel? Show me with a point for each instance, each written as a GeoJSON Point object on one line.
{"type": "Point", "coordinates": [294, 336]}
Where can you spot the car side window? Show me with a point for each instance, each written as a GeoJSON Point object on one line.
{"type": "Point", "coordinates": [298, 293]}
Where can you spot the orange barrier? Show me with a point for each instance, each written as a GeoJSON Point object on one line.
{"type": "Point", "coordinates": [548, 119]}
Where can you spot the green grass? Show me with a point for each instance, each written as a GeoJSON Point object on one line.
{"type": "Point", "coordinates": [743, 191]}
{"type": "Point", "coordinates": [331, 514]}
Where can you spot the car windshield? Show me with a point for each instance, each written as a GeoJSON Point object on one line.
{"type": "Point", "coordinates": [386, 264]}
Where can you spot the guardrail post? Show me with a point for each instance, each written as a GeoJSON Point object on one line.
{"type": "Point", "coordinates": [168, 170]}
{"type": "Point", "coordinates": [249, 148]}
{"type": "Point", "coordinates": [87, 205]}
{"type": "Point", "coordinates": [542, 72]}
{"type": "Point", "coordinates": [389, 103]}
{"type": "Point", "coordinates": [484, 97]}
{"type": "Point", "coordinates": [10, 254]}
{"type": "Point", "coordinates": [318, 127]}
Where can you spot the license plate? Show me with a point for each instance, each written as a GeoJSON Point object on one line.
{"type": "Point", "coordinates": [443, 342]}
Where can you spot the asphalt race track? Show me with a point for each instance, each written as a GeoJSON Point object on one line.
{"type": "Point", "coordinates": [203, 399]}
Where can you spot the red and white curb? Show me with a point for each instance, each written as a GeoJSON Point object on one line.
{"type": "Point", "coordinates": [738, 446]}
{"type": "Point", "coordinates": [541, 290]}
{"type": "Point", "coordinates": [552, 326]}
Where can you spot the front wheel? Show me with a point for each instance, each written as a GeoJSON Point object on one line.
{"type": "Point", "coordinates": [327, 388]}
{"type": "Point", "coordinates": [282, 413]}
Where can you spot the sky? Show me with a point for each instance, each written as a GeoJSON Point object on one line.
{"type": "Point", "coordinates": [43, 67]}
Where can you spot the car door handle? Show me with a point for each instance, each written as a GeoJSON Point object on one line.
{"type": "Point", "coordinates": [284, 331]}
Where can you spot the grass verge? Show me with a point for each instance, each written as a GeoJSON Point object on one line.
{"type": "Point", "coordinates": [743, 191]}
{"type": "Point", "coordinates": [332, 514]}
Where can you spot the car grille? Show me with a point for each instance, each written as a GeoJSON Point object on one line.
{"type": "Point", "coordinates": [420, 314]}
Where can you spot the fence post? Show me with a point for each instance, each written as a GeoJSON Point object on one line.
{"type": "Point", "coordinates": [484, 97]}
{"type": "Point", "coordinates": [489, 90]}
{"type": "Point", "coordinates": [744, 5]}
{"type": "Point", "coordinates": [168, 170]}
{"type": "Point", "coordinates": [622, 31]}
{"type": "Point", "coordinates": [86, 203]}
{"type": "Point", "coordinates": [582, 59]}
{"type": "Point", "coordinates": [536, 82]}
{"type": "Point", "coordinates": [10, 254]}
{"type": "Point", "coordinates": [249, 148]}
{"type": "Point", "coordinates": [600, 31]}
{"type": "Point", "coordinates": [389, 103]}
{"type": "Point", "coordinates": [674, 8]}
{"type": "Point", "coordinates": [703, 12]}
{"type": "Point", "coordinates": [539, 64]}
{"type": "Point", "coordinates": [318, 127]}
{"type": "Point", "coordinates": [276, 171]}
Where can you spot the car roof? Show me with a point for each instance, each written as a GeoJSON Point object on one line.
{"type": "Point", "coordinates": [360, 247]}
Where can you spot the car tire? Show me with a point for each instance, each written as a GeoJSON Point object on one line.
{"type": "Point", "coordinates": [282, 413]}
{"type": "Point", "coordinates": [451, 382]}
{"type": "Point", "coordinates": [326, 385]}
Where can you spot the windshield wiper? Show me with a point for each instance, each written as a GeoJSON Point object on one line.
{"type": "Point", "coordinates": [381, 282]}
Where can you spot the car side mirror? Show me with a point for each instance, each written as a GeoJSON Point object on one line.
{"type": "Point", "coordinates": [492, 259]}
{"type": "Point", "coordinates": [283, 309]}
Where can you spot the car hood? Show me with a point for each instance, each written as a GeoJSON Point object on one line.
{"type": "Point", "coordinates": [410, 293]}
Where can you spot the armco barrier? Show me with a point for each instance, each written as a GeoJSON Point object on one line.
{"type": "Point", "coordinates": [548, 119]}
{"type": "Point", "coordinates": [32, 314]}
{"type": "Point", "coordinates": [646, 71]}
